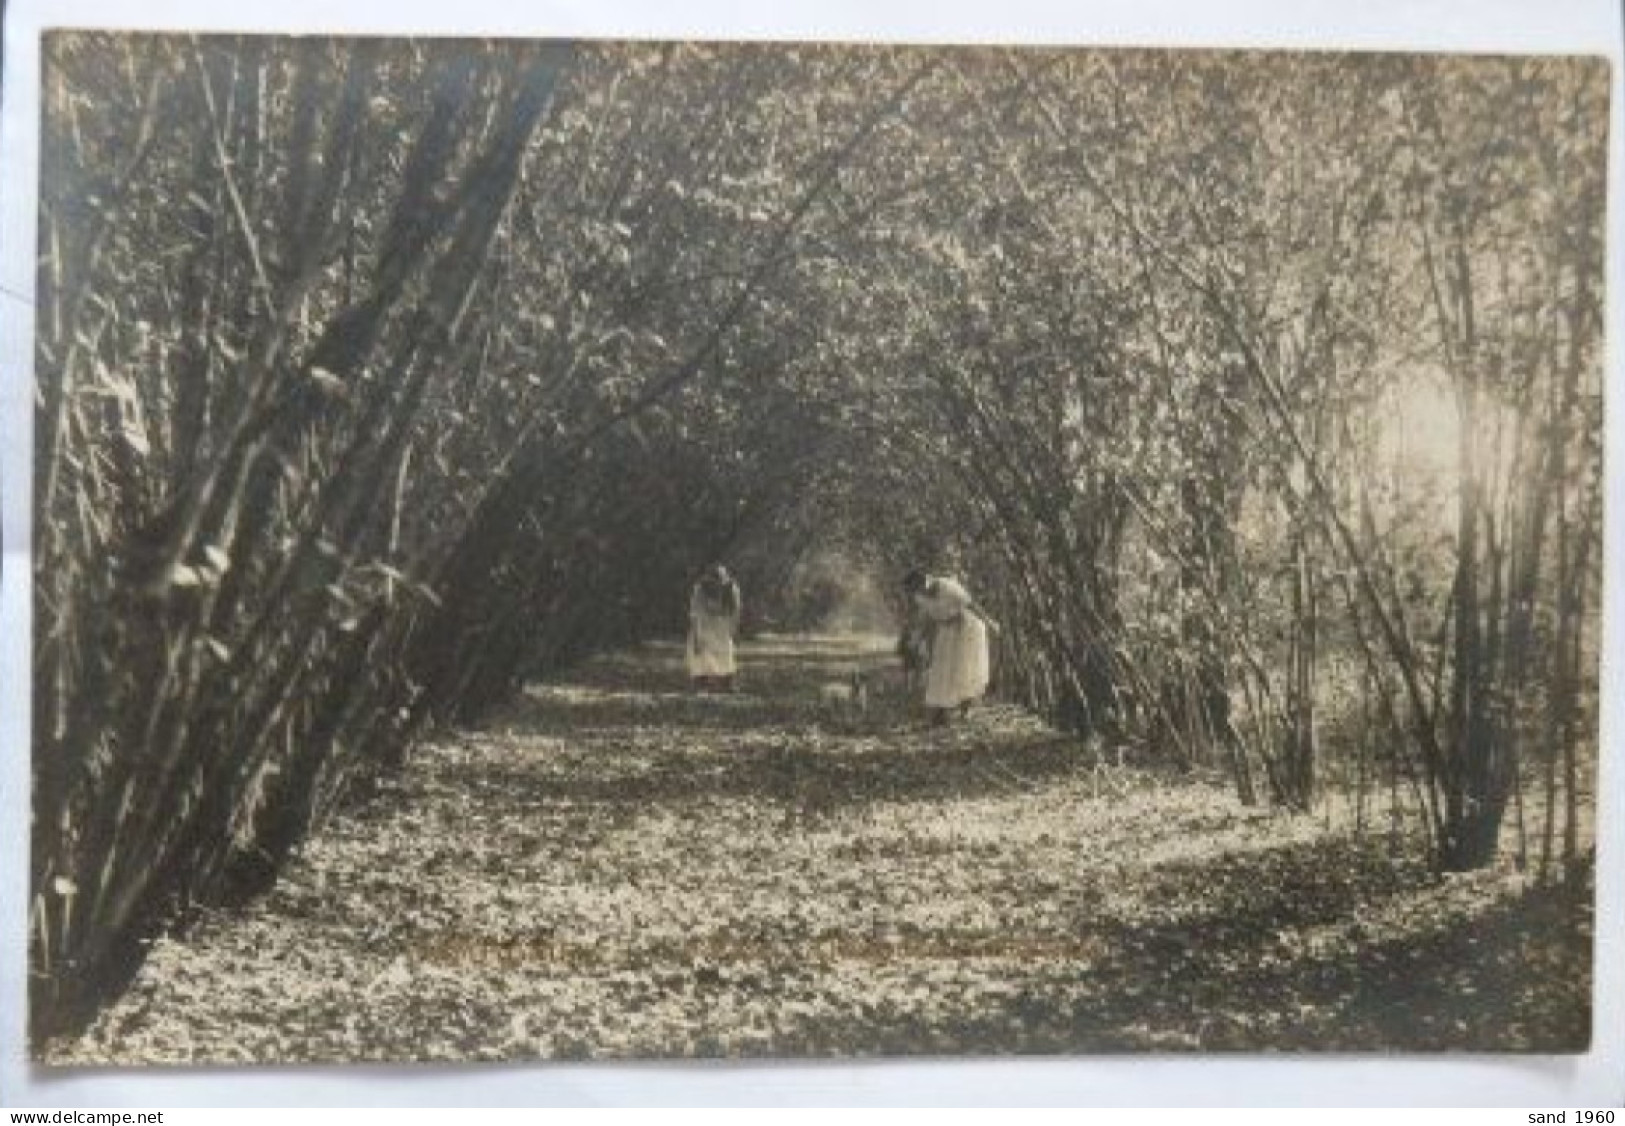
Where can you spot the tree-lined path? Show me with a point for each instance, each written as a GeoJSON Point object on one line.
{"type": "Point", "coordinates": [388, 388]}
{"type": "Point", "coordinates": [617, 867]}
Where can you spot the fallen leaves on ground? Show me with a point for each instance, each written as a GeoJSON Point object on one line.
{"type": "Point", "coordinates": [617, 867]}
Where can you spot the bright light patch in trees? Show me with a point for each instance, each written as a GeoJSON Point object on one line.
{"type": "Point", "coordinates": [1423, 431]}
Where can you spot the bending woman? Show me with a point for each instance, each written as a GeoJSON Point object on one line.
{"type": "Point", "coordinates": [958, 673]}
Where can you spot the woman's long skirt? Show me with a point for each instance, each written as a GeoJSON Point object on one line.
{"type": "Point", "coordinates": [959, 664]}
{"type": "Point", "coordinates": [711, 646]}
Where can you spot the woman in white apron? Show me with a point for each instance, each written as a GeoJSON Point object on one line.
{"type": "Point", "coordinates": [958, 673]}
{"type": "Point", "coordinates": [713, 618]}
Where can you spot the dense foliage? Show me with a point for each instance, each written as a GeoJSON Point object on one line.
{"type": "Point", "coordinates": [375, 377]}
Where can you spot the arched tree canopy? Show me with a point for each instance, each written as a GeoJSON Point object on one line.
{"type": "Point", "coordinates": [374, 377]}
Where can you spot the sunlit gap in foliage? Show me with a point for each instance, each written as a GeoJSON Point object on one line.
{"type": "Point", "coordinates": [1417, 446]}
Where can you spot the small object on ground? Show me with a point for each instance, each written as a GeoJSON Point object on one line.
{"type": "Point", "coordinates": [851, 692]}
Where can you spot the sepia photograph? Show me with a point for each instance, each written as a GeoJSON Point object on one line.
{"type": "Point", "coordinates": [553, 549]}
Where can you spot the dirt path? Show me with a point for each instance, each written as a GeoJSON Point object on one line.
{"type": "Point", "coordinates": [619, 868]}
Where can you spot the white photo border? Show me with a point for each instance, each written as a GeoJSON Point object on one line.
{"type": "Point", "coordinates": [1592, 27]}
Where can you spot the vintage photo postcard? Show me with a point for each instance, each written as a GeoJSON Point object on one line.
{"type": "Point", "coordinates": [615, 550]}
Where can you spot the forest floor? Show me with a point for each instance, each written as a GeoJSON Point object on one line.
{"type": "Point", "coordinates": [617, 867]}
